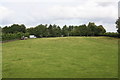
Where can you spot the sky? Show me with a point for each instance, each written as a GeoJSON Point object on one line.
{"type": "Point", "coordinates": [60, 12]}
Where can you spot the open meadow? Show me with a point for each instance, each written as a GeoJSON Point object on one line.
{"type": "Point", "coordinates": [61, 57]}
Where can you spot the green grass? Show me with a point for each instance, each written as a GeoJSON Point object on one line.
{"type": "Point", "coordinates": [65, 57]}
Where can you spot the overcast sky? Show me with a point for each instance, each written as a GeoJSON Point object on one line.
{"type": "Point", "coordinates": [60, 12]}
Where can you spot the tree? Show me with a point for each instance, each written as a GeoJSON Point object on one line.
{"type": "Point", "coordinates": [14, 28]}
{"type": "Point", "coordinates": [58, 31]}
{"type": "Point", "coordinates": [118, 25]}
{"type": "Point", "coordinates": [22, 28]}
{"type": "Point", "coordinates": [100, 30]}
{"type": "Point", "coordinates": [83, 30]}
{"type": "Point", "coordinates": [31, 31]}
{"type": "Point", "coordinates": [54, 30]}
{"type": "Point", "coordinates": [50, 31]}
{"type": "Point", "coordinates": [92, 29]}
{"type": "Point", "coordinates": [65, 30]}
{"type": "Point", "coordinates": [70, 29]}
{"type": "Point", "coordinates": [5, 29]}
{"type": "Point", "coordinates": [40, 30]}
{"type": "Point", "coordinates": [76, 31]}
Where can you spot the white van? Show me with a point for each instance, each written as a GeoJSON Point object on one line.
{"type": "Point", "coordinates": [32, 36]}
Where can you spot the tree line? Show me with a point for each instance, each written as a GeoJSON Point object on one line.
{"type": "Point", "coordinates": [16, 31]}
{"type": "Point", "coordinates": [56, 31]}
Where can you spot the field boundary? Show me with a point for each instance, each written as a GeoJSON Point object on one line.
{"type": "Point", "coordinates": [9, 41]}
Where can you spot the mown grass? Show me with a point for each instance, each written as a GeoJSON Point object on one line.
{"type": "Point", "coordinates": [65, 57]}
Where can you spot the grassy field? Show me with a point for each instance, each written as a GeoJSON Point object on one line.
{"type": "Point", "coordinates": [68, 57]}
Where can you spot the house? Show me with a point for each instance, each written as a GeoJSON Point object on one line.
{"type": "Point", "coordinates": [32, 36]}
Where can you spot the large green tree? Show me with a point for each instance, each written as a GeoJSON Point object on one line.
{"type": "Point", "coordinates": [65, 31]}
{"type": "Point", "coordinates": [31, 31]}
{"type": "Point", "coordinates": [70, 29]}
{"type": "Point", "coordinates": [40, 30]}
{"type": "Point", "coordinates": [83, 30]}
{"type": "Point", "coordinates": [50, 31]}
{"type": "Point", "coordinates": [14, 28]}
{"type": "Point", "coordinates": [100, 30]}
{"type": "Point", "coordinates": [58, 31]}
{"type": "Point", "coordinates": [92, 29]}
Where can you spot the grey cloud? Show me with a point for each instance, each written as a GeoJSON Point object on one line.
{"type": "Point", "coordinates": [60, 12]}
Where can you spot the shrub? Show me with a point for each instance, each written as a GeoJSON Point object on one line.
{"type": "Point", "coordinates": [10, 36]}
{"type": "Point", "coordinates": [111, 34]}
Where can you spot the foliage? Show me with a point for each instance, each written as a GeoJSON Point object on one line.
{"type": "Point", "coordinates": [14, 28]}
{"type": "Point", "coordinates": [65, 31]}
{"type": "Point", "coordinates": [111, 34]}
{"type": "Point", "coordinates": [55, 31]}
{"type": "Point", "coordinates": [15, 31]}
{"type": "Point", "coordinates": [10, 36]}
{"type": "Point", "coordinates": [118, 25]}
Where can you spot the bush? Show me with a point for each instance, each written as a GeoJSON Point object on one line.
{"type": "Point", "coordinates": [10, 36]}
{"type": "Point", "coordinates": [111, 34]}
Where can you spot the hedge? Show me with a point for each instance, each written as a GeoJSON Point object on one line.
{"type": "Point", "coordinates": [10, 36]}
{"type": "Point", "coordinates": [111, 34]}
